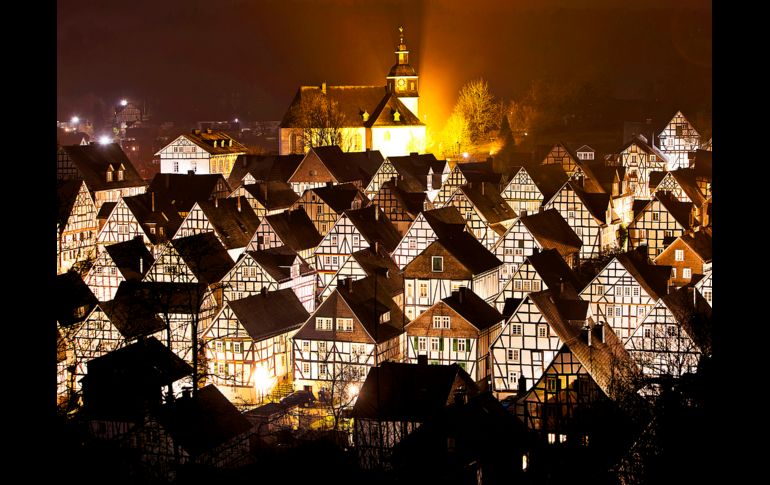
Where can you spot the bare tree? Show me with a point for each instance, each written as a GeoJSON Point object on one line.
{"type": "Point", "coordinates": [476, 105]}
{"type": "Point", "coordinates": [321, 121]}
{"type": "Point", "coordinates": [343, 380]}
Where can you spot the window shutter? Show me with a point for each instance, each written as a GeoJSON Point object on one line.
{"type": "Point", "coordinates": [468, 345]}
{"type": "Point", "coordinates": [454, 344]}
{"type": "Point", "coordinates": [441, 344]}
{"type": "Point", "coordinates": [414, 341]}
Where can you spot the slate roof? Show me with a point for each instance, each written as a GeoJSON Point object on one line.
{"type": "Point", "coordinates": [93, 160]}
{"type": "Point", "coordinates": [445, 220]}
{"type": "Point", "coordinates": [408, 392]}
{"type": "Point", "coordinates": [277, 262]}
{"type": "Point", "coordinates": [164, 214]}
{"type": "Point", "coordinates": [126, 256]}
{"type": "Point", "coordinates": [701, 243]}
{"type": "Point", "coordinates": [272, 195]}
{"type": "Point", "coordinates": [348, 166]}
{"type": "Point", "coordinates": [258, 315]}
{"type": "Point", "coordinates": [184, 190]}
{"type": "Point", "coordinates": [263, 168]}
{"type": "Point", "coordinates": [478, 172]}
{"type": "Point", "coordinates": [653, 278]}
{"type": "Point", "coordinates": [206, 138]}
{"type": "Point", "coordinates": [650, 150]}
{"type": "Point", "coordinates": [71, 293]}
{"type": "Point", "coordinates": [138, 297]}
{"type": "Point", "coordinates": [105, 210]}
{"type": "Point", "coordinates": [295, 229]}
{"type": "Point", "coordinates": [468, 251]}
{"type": "Point", "coordinates": [693, 313]}
{"type": "Point", "coordinates": [603, 360]}
{"type": "Point", "coordinates": [233, 219]}
{"type": "Point", "coordinates": [472, 308]}
{"type": "Point", "coordinates": [133, 315]}
{"type": "Point", "coordinates": [553, 232]}
{"type": "Point", "coordinates": [596, 204]}
{"type": "Point", "coordinates": [487, 200]}
{"type": "Point", "coordinates": [66, 196]}
{"type": "Point", "coordinates": [685, 177]}
{"type": "Point", "coordinates": [339, 197]}
{"type": "Point", "coordinates": [384, 114]}
{"type": "Point", "coordinates": [371, 263]}
{"type": "Point", "coordinates": [413, 170]}
{"type": "Point", "coordinates": [679, 210]}
{"type": "Point", "coordinates": [200, 423]}
{"type": "Point", "coordinates": [702, 163]}
{"type": "Point", "coordinates": [411, 202]}
{"type": "Point", "coordinates": [549, 179]}
{"type": "Point", "coordinates": [205, 256]}
{"type": "Point", "coordinates": [552, 269]}
{"type": "Point", "coordinates": [375, 227]}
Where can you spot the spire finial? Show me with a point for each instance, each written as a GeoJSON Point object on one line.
{"type": "Point", "coordinates": [401, 33]}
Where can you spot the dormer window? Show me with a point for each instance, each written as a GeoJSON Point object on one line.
{"type": "Point", "coordinates": [396, 116]}
{"type": "Point", "coordinates": [215, 143]}
{"type": "Point", "coordinates": [437, 264]}
{"type": "Point", "coordinates": [121, 170]}
{"type": "Point", "coordinates": [365, 116]}
{"type": "Point", "coordinates": [109, 173]}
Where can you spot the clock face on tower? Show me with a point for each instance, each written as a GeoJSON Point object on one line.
{"type": "Point", "coordinates": [401, 83]}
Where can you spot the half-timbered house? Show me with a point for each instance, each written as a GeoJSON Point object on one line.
{"type": "Point", "coordinates": [454, 260]}
{"type": "Point", "coordinates": [355, 230]}
{"type": "Point", "coordinates": [248, 344]}
{"type": "Point", "coordinates": [324, 205]}
{"type": "Point", "coordinates": [400, 206]}
{"type": "Point", "coordinates": [588, 367]}
{"type": "Point", "coordinates": [329, 164]}
{"type": "Point", "coordinates": [250, 169]}
{"type": "Point", "coordinates": [274, 269]}
{"type": "Point", "coordinates": [538, 231]}
{"type": "Point", "coordinates": [586, 214]}
{"type": "Point", "coordinates": [521, 193]}
{"type": "Point", "coordinates": [561, 154]}
{"type": "Point", "coordinates": [689, 255]}
{"type": "Point", "coordinates": [105, 168]}
{"type": "Point", "coordinates": [267, 198]}
{"type": "Point", "coordinates": [125, 261]}
{"type": "Point", "coordinates": [640, 160]}
{"type": "Point", "coordinates": [704, 286]}
{"type": "Point", "coordinates": [232, 220]}
{"type": "Point", "coordinates": [149, 216]}
{"type": "Point", "coordinates": [527, 344]}
{"type": "Point", "coordinates": [673, 336]}
{"type": "Point", "coordinates": [200, 151]}
{"type": "Point", "coordinates": [623, 293]}
{"type": "Point", "coordinates": [677, 139]}
{"type": "Point", "coordinates": [541, 270]}
{"type": "Point", "coordinates": [658, 222]}
{"type": "Point", "coordinates": [366, 262]}
{"type": "Point", "coordinates": [291, 228]}
{"type": "Point", "coordinates": [459, 329]}
{"type": "Point", "coordinates": [76, 223]}
{"type": "Point", "coordinates": [356, 328]}
{"type": "Point", "coordinates": [464, 173]}
{"type": "Point", "coordinates": [396, 399]}
{"type": "Point", "coordinates": [487, 214]}
{"type": "Point", "coordinates": [185, 189]}
{"type": "Point", "coordinates": [427, 227]}
{"type": "Point", "coordinates": [415, 172]}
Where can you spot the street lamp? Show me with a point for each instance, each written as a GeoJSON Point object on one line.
{"type": "Point", "coordinates": [105, 140]}
{"type": "Point", "coordinates": [123, 102]}
{"type": "Point", "coordinates": [75, 120]}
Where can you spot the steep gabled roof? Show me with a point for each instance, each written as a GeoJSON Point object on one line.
{"type": "Point", "coordinates": [368, 307]}
{"type": "Point", "coordinates": [94, 160]}
{"type": "Point", "coordinates": [472, 308]}
{"type": "Point", "coordinates": [701, 243]}
{"type": "Point", "coordinates": [650, 150]}
{"type": "Point", "coordinates": [384, 114]}
{"type": "Point", "coordinates": [66, 196]}
{"type": "Point", "coordinates": [478, 172]}
{"type": "Point", "coordinates": [596, 203]}
{"type": "Point", "coordinates": [413, 170]}
{"type": "Point", "coordinates": [184, 190]}
{"type": "Point", "coordinates": [339, 197]}
{"type": "Point", "coordinates": [552, 269]}
{"type": "Point", "coordinates": [408, 392]}
{"type": "Point", "coordinates": [259, 316]}
{"type": "Point", "coordinates": [73, 299]}
{"type": "Point", "coordinates": [653, 278]}
{"type": "Point", "coordinates": [685, 177]}
{"type": "Point", "coordinates": [105, 210]}
{"type": "Point", "coordinates": [127, 256]}
{"type": "Point", "coordinates": [206, 139]}
{"type": "Point", "coordinates": [131, 314]}
{"type": "Point", "coordinates": [679, 210]}
{"type": "Point", "coordinates": [375, 226]}
{"type": "Point", "coordinates": [468, 251]}
{"type": "Point", "coordinates": [155, 210]}
{"type": "Point", "coordinates": [605, 360]}
{"type": "Point", "coordinates": [553, 232]}
{"type": "Point", "coordinates": [205, 256]}
{"type": "Point", "coordinates": [487, 200]}
{"type": "Point", "coordinates": [693, 313]}
{"type": "Point", "coordinates": [201, 422]}
{"type": "Point", "coordinates": [156, 298]}
{"type": "Point", "coordinates": [702, 163]}
{"type": "Point", "coordinates": [549, 179]}
{"type": "Point", "coordinates": [277, 262]}
{"type": "Point", "coordinates": [445, 220]}
{"type": "Point", "coordinates": [411, 202]}
{"type": "Point", "coordinates": [351, 102]}
{"type": "Point", "coordinates": [380, 263]}
{"type": "Point", "coordinates": [233, 219]}
{"type": "Point", "coordinates": [263, 168]}
{"type": "Point", "coordinates": [347, 166]}
{"type": "Point", "coordinates": [295, 229]}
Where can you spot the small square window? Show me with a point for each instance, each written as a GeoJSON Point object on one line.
{"type": "Point", "coordinates": [437, 264]}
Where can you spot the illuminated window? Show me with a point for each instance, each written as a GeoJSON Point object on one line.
{"type": "Point", "coordinates": [176, 166]}
{"type": "Point", "coordinates": [237, 347]}
{"type": "Point", "coordinates": [655, 216]}
{"type": "Point", "coordinates": [687, 273]}
{"type": "Point", "coordinates": [460, 345]}
{"type": "Point", "coordinates": [323, 323]}
{"type": "Point", "coordinates": [636, 291]}
{"type": "Point", "coordinates": [513, 379]}
{"type": "Point", "coordinates": [513, 355]}
{"type": "Point", "coordinates": [422, 344]}
{"type": "Point", "coordinates": [610, 311]}
{"type": "Point", "coordinates": [441, 321]}
{"type": "Point", "coordinates": [306, 346]}
{"type": "Point", "coordinates": [386, 136]}
{"type": "Point", "coordinates": [517, 285]}
{"type": "Point", "coordinates": [652, 158]}
{"type": "Point", "coordinates": [551, 384]}
{"type": "Point", "coordinates": [679, 255]}
{"type": "Point", "coordinates": [434, 344]}
{"type": "Point", "coordinates": [423, 290]}
{"type": "Point", "coordinates": [306, 369]}
{"type": "Point", "coordinates": [218, 346]}
{"type": "Point", "coordinates": [535, 286]}
{"type": "Point", "coordinates": [599, 289]}
{"type": "Point", "coordinates": [334, 239]}
{"type": "Point", "coordinates": [345, 324]}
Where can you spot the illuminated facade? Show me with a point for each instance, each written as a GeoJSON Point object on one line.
{"type": "Point", "coordinates": [384, 118]}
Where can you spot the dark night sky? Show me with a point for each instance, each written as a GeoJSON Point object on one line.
{"type": "Point", "coordinates": [194, 59]}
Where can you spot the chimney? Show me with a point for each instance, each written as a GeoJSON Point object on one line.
{"type": "Point", "coordinates": [216, 202]}
{"type": "Point", "coordinates": [186, 393]}
{"type": "Point", "coordinates": [522, 390]}
{"type": "Point", "coordinates": [561, 285]}
{"type": "Point", "coordinates": [376, 247]}
{"type": "Point", "coordinates": [422, 360]}
{"type": "Point", "coordinates": [601, 331]}
{"type": "Point", "coordinates": [190, 172]}
{"type": "Point", "coordinates": [459, 396]}
{"type": "Point", "coordinates": [460, 294]}
{"type": "Point", "coordinates": [141, 265]}
{"type": "Point", "coordinates": [482, 188]}
{"type": "Point", "coordinates": [152, 201]}
{"type": "Point", "coordinates": [587, 329]}
{"type": "Point", "coordinates": [323, 87]}
{"type": "Point", "coordinates": [263, 291]}
{"type": "Point", "coordinates": [238, 202]}
{"type": "Point", "coordinates": [263, 189]}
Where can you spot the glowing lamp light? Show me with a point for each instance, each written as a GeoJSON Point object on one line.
{"type": "Point", "coordinates": [263, 381]}
{"type": "Point", "coordinates": [236, 120]}
{"type": "Point", "coordinates": [123, 102]}
{"type": "Point", "coordinates": [353, 391]}
{"type": "Point", "coordinates": [465, 154]}
{"type": "Point", "coordinates": [105, 140]}
{"type": "Point", "coordinates": [75, 120]}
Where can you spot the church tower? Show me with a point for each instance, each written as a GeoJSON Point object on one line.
{"type": "Point", "coordinates": [402, 79]}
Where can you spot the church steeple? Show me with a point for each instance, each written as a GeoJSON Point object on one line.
{"type": "Point", "coordinates": [402, 79]}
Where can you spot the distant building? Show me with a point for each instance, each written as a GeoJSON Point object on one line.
{"type": "Point", "coordinates": [76, 223]}
{"type": "Point", "coordinates": [384, 118]}
{"type": "Point", "coordinates": [677, 139]}
{"type": "Point", "coordinates": [201, 152]}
